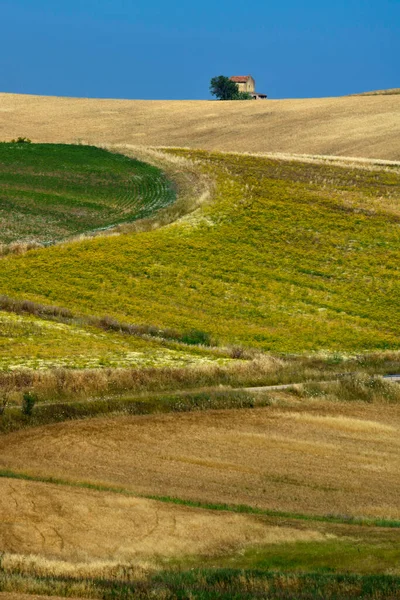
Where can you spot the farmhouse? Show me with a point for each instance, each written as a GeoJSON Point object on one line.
{"type": "Point", "coordinates": [246, 83]}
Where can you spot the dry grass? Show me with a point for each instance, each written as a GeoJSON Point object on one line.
{"type": "Point", "coordinates": [366, 126]}
{"type": "Point", "coordinates": [17, 596]}
{"type": "Point", "coordinates": [387, 92]}
{"type": "Point", "coordinates": [81, 526]}
{"type": "Point", "coordinates": [312, 457]}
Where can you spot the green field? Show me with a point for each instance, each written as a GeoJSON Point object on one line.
{"type": "Point", "coordinates": [49, 192]}
{"type": "Point", "coordinates": [288, 257]}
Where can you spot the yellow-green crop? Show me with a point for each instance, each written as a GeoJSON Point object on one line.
{"type": "Point", "coordinates": [28, 342]}
{"type": "Point", "coordinates": [288, 257]}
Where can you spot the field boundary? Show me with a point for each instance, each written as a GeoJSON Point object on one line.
{"type": "Point", "coordinates": [235, 508]}
{"type": "Point", "coordinates": [366, 164]}
{"type": "Point", "coordinates": [192, 188]}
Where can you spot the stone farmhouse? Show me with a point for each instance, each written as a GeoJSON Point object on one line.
{"type": "Point", "coordinates": [246, 83]}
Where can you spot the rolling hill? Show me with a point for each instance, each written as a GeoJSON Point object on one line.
{"type": "Point", "coordinates": [286, 257]}
{"type": "Point", "coordinates": [146, 468]}
{"type": "Point", "coordinates": [363, 126]}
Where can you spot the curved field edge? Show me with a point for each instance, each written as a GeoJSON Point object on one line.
{"type": "Point", "coordinates": [52, 192]}
{"type": "Point", "coordinates": [305, 455]}
{"type": "Point", "coordinates": [348, 520]}
{"type": "Point", "coordinates": [186, 189]}
{"type": "Point", "coordinates": [287, 257]}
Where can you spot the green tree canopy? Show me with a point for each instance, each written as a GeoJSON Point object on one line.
{"type": "Point", "coordinates": [223, 88]}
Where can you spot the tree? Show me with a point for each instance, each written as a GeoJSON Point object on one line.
{"type": "Point", "coordinates": [243, 96]}
{"type": "Point", "coordinates": [223, 88]}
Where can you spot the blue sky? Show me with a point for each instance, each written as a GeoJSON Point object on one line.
{"type": "Point", "coordinates": [170, 50]}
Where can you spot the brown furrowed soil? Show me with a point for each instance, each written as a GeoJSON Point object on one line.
{"type": "Point", "coordinates": [362, 126]}
{"type": "Point", "coordinates": [63, 523]}
{"type": "Point", "coordinates": [311, 457]}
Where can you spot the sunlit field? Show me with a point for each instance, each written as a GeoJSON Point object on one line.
{"type": "Point", "coordinates": [143, 452]}
{"type": "Point", "coordinates": [288, 257]}
{"type": "Point", "coordinates": [49, 192]}
{"type": "Point", "coordinates": [360, 126]}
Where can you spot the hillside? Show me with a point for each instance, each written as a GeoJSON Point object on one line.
{"type": "Point", "coordinates": [288, 257]}
{"type": "Point", "coordinates": [141, 455]}
{"type": "Point", "coordinates": [363, 126]}
{"type": "Point", "coordinates": [103, 507]}
{"type": "Point", "coordinates": [387, 92]}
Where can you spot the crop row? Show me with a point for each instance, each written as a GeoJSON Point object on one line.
{"type": "Point", "coordinates": [77, 189]}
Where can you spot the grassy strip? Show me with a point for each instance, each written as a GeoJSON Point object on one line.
{"type": "Point", "coordinates": [360, 388]}
{"type": "Point", "coordinates": [62, 384]}
{"type": "Point", "coordinates": [222, 584]}
{"type": "Point", "coordinates": [366, 552]}
{"type": "Point", "coordinates": [236, 508]}
{"type": "Point", "coordinates": [105, 323]}
{"type": "Point", "coordinates": [243, 508]}
{"type": "Point", "coordinates": [13, 419]}
{"type": "Point", "coordinates": [343, 387]}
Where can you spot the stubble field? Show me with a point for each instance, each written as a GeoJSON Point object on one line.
{"type": "Point", "coordinates": [364, 126]}
{"type": "Point", "coordinates": [313, 458]}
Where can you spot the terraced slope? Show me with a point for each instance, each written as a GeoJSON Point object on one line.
{"type": "Point", "coordinates": [288, 257]}
{"type": "Point", "coordinates": [367, 126]}
{"type": "Point", "coordinates": [49, 192]}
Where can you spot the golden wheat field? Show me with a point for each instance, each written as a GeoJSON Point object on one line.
{"type": "Point", "coordinates": [315, 458]}
{"type": "Point", "coordinates": [75, 525]}
{"type": "Point", "coordinates": [361, 126]}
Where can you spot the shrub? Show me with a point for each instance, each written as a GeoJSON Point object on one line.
{"type": "Point", "coordinates": [21, 140]}
{"type": "Point", "coordinates": [3, 403]}
{"type": "Point", "coordinates": [29, 400]}
{"type": "Point", "coordinates": [196, 337]}
{"type": "Point", "coordinates": [243, 96]}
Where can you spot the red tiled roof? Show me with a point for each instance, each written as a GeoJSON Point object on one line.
{"type": "Point", "coordinates": [240, 78]}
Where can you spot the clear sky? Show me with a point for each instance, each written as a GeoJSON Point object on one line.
{"type": "Point", "coordinates": [153, 49]}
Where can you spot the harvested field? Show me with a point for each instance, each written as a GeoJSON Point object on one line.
{"type": "Point", "coordinates": [313, 457]}
{"type": "Point", "coordinates": [366, 126]}
{"type": "Point", "coordinates": [76, 525]}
